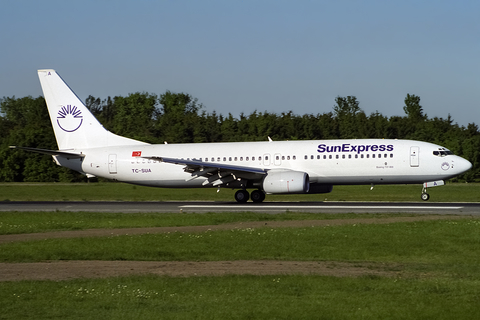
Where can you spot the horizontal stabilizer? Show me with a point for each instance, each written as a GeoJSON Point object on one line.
{"type": "Point", "coordinates": [51, 152]}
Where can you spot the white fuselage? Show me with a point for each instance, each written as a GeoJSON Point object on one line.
{"type": "Point", "coordinates": [336, 162]}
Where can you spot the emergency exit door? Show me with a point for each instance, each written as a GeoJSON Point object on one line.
{"type": "Point", "coordinates": [414, 156]}
{"type": "Point", "coordinates": [112, 163]}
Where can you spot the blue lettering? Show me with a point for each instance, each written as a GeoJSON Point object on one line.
{"type": "Point", "coordinates": [347, 147]}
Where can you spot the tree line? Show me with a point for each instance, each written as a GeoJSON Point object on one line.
{"type": "Point", "coordinates": [180, 118]}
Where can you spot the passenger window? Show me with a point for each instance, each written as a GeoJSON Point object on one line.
{"type": "Point", "coordinates": [224, 158]}
{"type": "Point", "coordinates": [288, 157]}
{"type": "Point", "coordinates": [277, 157]}
{"type": "Point", "coordinates": [391, 155]}
{"type": "Point", "coordinates": [246, 158]}
{"type": "Point", "coordinates": [324, 156]}
{"type": "Point", "coordinates": [373, 156]}
{"type": "Point", "coordinates": [368, 156]}
{"type": "Point", "coordinates": [241, 158]}
{"type": "Point", "coordinates": [349, 156]}
{"type": "Point", "coordinates": [283, 157]}
{"type": "Point", "coordinates": [356, 156]}
{"type": "Point", "coordinates": [260, 158]}
{"type": "Point", "coordinates": [361, 156]}
{"type": "Point", "coordinates": [337, 156]}
{"type": "Point", "coordinates": [343, 156]}
{"type": "Point", "coordinates": [294, 157]}
{"type": "Point", "coordinates": [330, 156]}
{"type": "Point", "coordinates": [253, 158]}
{"type": "Point", "coordinates": [318, 157]}
{"type": "Point", "coordinates": [306, 157]}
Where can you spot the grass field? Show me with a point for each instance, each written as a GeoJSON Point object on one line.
{"type": "Point", "coordinates": [30, 222]}
{"type": "Point", "coordinates": [434, 265]}
{"type": "Point", "coordinates": [437, 265]}
{"type": "Point", "coordinates": [110, 191]}
{"type": "Point", "coordinates": [241, 297]}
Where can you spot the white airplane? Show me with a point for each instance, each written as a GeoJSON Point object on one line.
{"type": "Point", "coordinates": [270, 167]}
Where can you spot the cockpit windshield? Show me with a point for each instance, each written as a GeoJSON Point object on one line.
{"type": "Point", "coordinates": [442, 152]}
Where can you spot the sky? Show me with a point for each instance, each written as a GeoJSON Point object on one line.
{"type": "Point", "coordinates": [241, 56]}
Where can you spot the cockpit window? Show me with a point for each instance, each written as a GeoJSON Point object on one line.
{"type": "Point", "coordinates": [442, 152]}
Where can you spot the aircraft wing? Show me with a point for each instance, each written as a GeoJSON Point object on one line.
{"type": "Point", "coordinates": [51, 152]}
{"type": "Point", "coordinates": [216, 173]}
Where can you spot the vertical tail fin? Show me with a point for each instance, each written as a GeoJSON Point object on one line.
{"type": "Point", "coordinates": [74, 125]}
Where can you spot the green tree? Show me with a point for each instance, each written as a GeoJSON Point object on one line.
{"type": "Point", "coordinates": [177, 117]}
{"type": "Point", "coordinates": [25, 122]}
{"type": "Point", "coordinates": [347, 111]}
{"type": "Point", "coordinates": [134, 116]}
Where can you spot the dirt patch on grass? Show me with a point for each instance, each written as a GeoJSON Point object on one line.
{"type": "Point", "coordinates": [64, 270]}
{"type": "Point", "coordinates": [226, 226]}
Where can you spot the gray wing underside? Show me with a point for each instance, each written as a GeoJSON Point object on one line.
{"type": "Point", "coordinates": [216, 174]}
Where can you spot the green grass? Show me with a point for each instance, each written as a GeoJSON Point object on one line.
{"type": "Point", "coordinates": [437, 264]}
{"type": "Point", "coordinates": [444, 244]}
{"type": "Point", "coordinates": [240, 297]}
{"type": "Point", "coordinates": [110, 191]}
{"type": "Point", "coordinates": [31, 222]}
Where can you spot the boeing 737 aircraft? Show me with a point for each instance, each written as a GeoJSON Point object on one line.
{"type": "Point", "coordinates": [268, 167]}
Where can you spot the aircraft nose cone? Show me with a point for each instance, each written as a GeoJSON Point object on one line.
{"type": "Point", "coordinates": [463, 165]}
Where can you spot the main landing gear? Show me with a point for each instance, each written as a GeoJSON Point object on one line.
{"type": "Point", "coordinates": [242, 196]}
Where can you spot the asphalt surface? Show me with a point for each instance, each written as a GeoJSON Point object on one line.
{"type": "Point", "coordinates": [266, 207]}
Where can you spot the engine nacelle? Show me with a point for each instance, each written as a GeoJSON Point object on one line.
{"type": "Point", "coordinates": [286, 182]}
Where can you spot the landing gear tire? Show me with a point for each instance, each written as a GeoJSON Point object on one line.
{"type": "Point", "coordinates": [425, 196]}
{"type": "Point", "coordinates": [257, 196]}
{"type": "Point", "coordinates": [242, 196]}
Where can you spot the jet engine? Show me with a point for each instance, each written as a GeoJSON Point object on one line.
{"type": "Point", "coordinates": [286, 182]}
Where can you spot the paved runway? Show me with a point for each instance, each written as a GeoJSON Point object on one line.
{"type": "Point", "coordinates": [266, 207]}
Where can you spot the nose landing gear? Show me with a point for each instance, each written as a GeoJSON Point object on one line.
{"type": "Point", "coordinates": [425, 196]}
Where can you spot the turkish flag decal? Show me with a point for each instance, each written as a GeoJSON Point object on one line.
{"type": "Point", "coordinates": [136, 153]}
